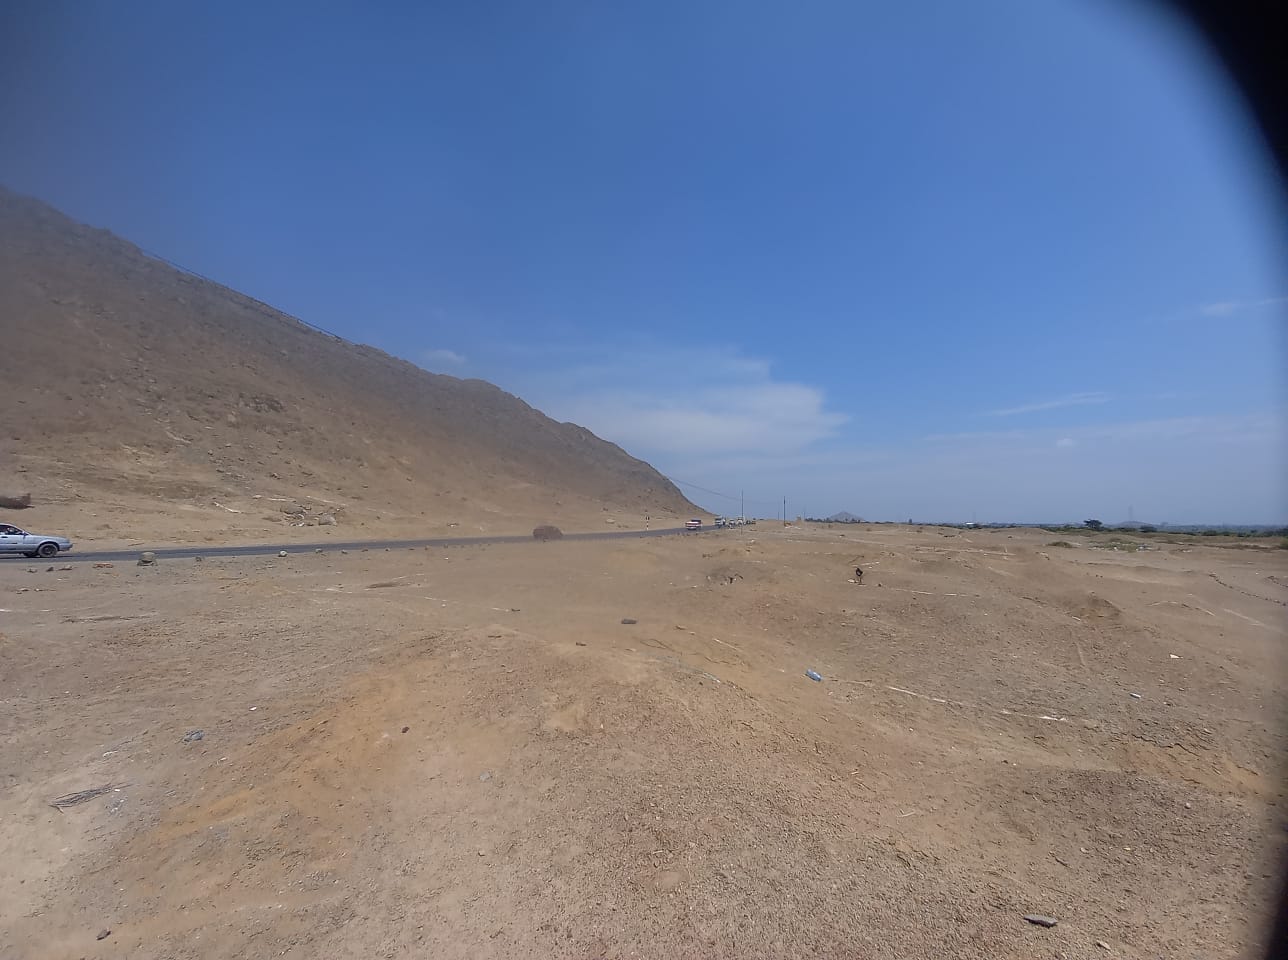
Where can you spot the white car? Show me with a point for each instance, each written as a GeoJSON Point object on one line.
{"type": "Point", "coordinates": [694, 524]}
{"type": "Point", "coordinates": [16, 541]}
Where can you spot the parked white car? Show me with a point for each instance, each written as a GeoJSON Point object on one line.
{"type": "Point", "coordinates": [14, 540]}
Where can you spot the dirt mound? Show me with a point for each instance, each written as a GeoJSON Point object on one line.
{"type": "Point", "coordinates": [134, 382]}
{"type": "Point", "coordinates": [1091, 607]}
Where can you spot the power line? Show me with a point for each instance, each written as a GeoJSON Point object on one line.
{"type": "Point", "coordinates": [717, 493]}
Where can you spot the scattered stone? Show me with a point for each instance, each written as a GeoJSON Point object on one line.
{"type": "Point", "coordinates": [102, 566]}
{"type": "Point", "coordinates": [281, 553]}
{"type": "Point", "coordinates": [547, 532]}
{"type": "Point", "coordinates": [147, 558]}
{"type": "Point", "coordinates": [628, 620]}
{"type": "Point", "coordinates": [405, 729]}
{"type": "Point", "coordinates": [317, 549]}
{"type": "Point", "coordinates": [49, 569]}
{"type": "Point", "coordinates": [1135, 696]}
{"type": "Point", "coordinates": [198, 559]}
{"type": "Point", "coordinates": [192, 736]}
{"type": "Point", "coordinates": [581, 643]}
{"type": "Point", "coordinates": [293, 509]}
{"type": "Point", "coordinates": [345, 552]}
{"type": "Point", "coordinates": [103, 934]}
{"type": "Point", "coordinates": [1040, 921]}
{"type": "Point", "coordinates": [326, 520]}
{"type": "Point", "coordinates": [485, 776]}
{"type": "Point", "coordinates": [65, 567]}
{"type": "Point", "coordinates": [1102, 945]}
{"type": "Point", "coordinates": [31, 569]}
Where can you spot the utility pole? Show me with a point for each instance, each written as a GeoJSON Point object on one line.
{"type": "Point", "coordinates": [784, 511]}
{"type": "Point", "coordinates": [742, 504]}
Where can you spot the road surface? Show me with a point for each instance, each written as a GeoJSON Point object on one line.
{"type": "Point", "coordinates": [271, 549]}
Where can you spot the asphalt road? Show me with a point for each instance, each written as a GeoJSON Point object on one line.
{"type": "Point", "coordinates": [271, 549]}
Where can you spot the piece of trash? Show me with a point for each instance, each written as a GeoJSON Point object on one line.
{"type": "Point", "coordinates": [317, 549]}
{"type": "Point", "coordinates": [485, 776]}
{"type": "Point", "coordinates": [103, 934]}
{"type": "Point", "coordinates": [254, 708]}
{"type": "Point", "coordinates": [1102, 945]}
{"type": "Point", "coordinates": [628, 620]}
{"type": "Point", "coordinates": [1135, 696]}
{"type": "Point", "coordinates": [816, 677]}
{"type": "Point", "coordinates": [192, 736]}
{"type": "Point", "coordinates": [1173, 656]}
{"type": "Point", "coordinates": [281, 553]}
{"type": "Point", "coordinates": [1038, 920]}
{"type": "Point", "coordinates": [80, 796]}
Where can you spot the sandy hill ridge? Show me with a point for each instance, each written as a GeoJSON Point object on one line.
{"type": "Point", "coordinates": [144, 401]}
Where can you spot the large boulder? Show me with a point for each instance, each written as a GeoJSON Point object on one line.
{"type": "Point", "coordinates": [547, 532]}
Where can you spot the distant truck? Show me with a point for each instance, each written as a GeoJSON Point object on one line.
{"type": "Point", "coordinates": [721, 522]}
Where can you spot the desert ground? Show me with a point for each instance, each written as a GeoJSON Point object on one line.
{"type": "Point", "coordinates": [470, 752]}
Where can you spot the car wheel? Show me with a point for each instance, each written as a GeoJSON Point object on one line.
{"type": "Point", "coordinates": [47, 550]}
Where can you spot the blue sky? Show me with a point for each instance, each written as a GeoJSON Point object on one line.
{"type": "Point", "coordinates": [1012, 259]}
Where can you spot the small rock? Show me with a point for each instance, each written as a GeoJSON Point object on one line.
{"type": "Point", "coordinates": [485, 776]}
{"type": "Point", "coordinates": [31, 569]}
{"type": "Point", "coordinates": [49, 569]}
{"type": "Point", "coordinates": [198, 559]}
{"type": "Point", "coordinates": [65, 567]}
{"type": "Point", "coordinates": [813, 675]}
{"type": "Point", "coordinates": [1038, 920]}
{"type": "Point", "coordinates": [147, 558]}
{"type": "Point", "coordinates": [326, 520]}
{"type": "Point", "coordinates": [103, 934]}
{"type": "Point", "coordinates": [547, 532]}
{"type": "Point", "coordinates": [405, 729]}
{"type": "Point", "coordinates": [628, 620]}
{"type": "Point", "coordinates": [317, 549]}
{"type": "Point", "coordinates": [1102, 945]}
{"type": "Point", "coordinates": [194, 735]}
{"type": "Point", "coordinates": [345, 552]}
{"type": "Point", "coordinates": [581, 643]}
{"type": "Point", "coordinates": [1135, 696]}
{"type": "Point", "coordinates": [281, 553]}
{"type": "Point", "coordinates": [102, 566]}
{"type": "Point", "coordinates": [482, 853]}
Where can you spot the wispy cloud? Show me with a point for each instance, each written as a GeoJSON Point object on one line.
{"type": "Point", "coordinates": [439, 360]}
{"type": "Point", "coordinates": [1071, 400]}
{"type": "Point", "coordinates": [1228, 308]}
{"type": "Point", "coordinates": [660, 404]}
{"type": "Point", "coordinates": [728, 419]}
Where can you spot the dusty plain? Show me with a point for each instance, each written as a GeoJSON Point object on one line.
{"type": "Point", "coordinates": [466, 752]}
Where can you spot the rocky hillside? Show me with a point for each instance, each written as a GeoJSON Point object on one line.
{"type": "Point", "coordinates": [133, 386]}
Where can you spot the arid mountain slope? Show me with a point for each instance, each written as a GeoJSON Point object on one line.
{"type": "Point", "coordinates": [131, 385]}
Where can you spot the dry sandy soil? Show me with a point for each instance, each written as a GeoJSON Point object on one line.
{"type": "Point", "coordinates": [466, 753]}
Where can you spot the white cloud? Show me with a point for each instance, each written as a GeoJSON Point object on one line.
{"type": "Point", "coordinates": [1226, 308]}
{"type": "Point", "coordinates": [1072, 400]}
{"type": "Point", "coordinates": [438, 360]}
{"type": "Point", "coordinates": [762, 416]}
{"type": "Point", "coordinates": [659, 403]}
{"type": "Point", "coordinates": [1066, 442]}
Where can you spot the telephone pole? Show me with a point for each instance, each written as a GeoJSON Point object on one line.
{"type": "Point", "coordinates": [784, 511]}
